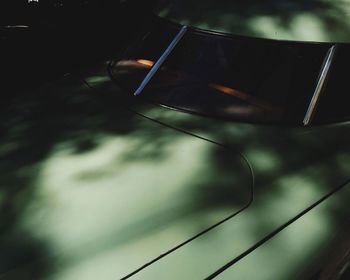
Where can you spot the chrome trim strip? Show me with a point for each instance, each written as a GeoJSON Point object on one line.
{"type": "Point", "coordinates": [161, 60]}
{"type": "Point", "coordinates": [320, 85]}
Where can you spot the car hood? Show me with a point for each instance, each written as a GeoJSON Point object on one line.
{"type": "Point", "coordinates": [294, 168]}
{"type": "Point", "coordinates": [97, 184]}
{"type": "Point", "coordinates": [87, 179]}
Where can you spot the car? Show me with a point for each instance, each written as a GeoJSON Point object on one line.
{"type": "Point", "coordinates": [187, 154]}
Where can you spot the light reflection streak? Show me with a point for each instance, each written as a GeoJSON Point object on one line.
{"type": "Point", "coordinates": [145, 63]}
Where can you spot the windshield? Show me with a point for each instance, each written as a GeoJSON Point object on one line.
{"type": "Point", "coordinates": [223, 76]}
{"type": "Point", "coordinates": [297, 20]}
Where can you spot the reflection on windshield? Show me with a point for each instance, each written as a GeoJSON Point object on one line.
{"type": "Point", "coordinates": [128, 67]}
{"type": "Point", "coordinates": [227, 77]}
{"type": "Point", "coordinates": [145, 62]}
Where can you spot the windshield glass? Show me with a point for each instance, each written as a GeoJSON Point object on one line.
{"type": "Point", "coordinates": [312, 20]}
{"type": "Point", "coordinates": [228, 77]}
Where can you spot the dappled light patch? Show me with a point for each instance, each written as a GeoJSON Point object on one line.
{"type": "Point", "coordinates": [315, 20]}
{"type": "Point", "coordinates": [74, 158]}
{"type": "Point", "coordinates": [119, 195]}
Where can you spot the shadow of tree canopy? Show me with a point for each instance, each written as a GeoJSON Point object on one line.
{"type": "Point", "coordinates": [314, 20]}
{"type": "Point", "coordinates": [68, 120]}
{"type": "Point", "coordinates": [31, 124]}
{"type": "Point", "coordinates": [310, 160]}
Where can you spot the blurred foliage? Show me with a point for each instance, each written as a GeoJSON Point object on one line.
{"type": "Point", "coordinates": [313, 20]}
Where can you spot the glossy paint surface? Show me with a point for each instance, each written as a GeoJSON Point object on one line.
{"type": "Point", "coordinates": [310, 248]}
{"type": "Point", "coordinates": [93, 190]}
{"type": "Point", "coordinates": [293, 170]}
{"type": "Point", "coordinates": [98, 184]}
{"type": "Point", "coordinates": [105, 183]}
